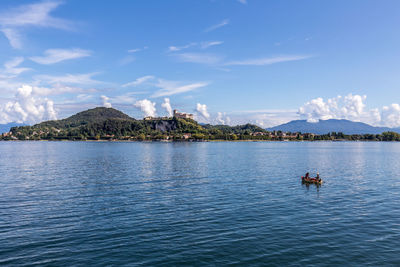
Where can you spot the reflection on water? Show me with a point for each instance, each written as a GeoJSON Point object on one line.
{"type": "Point", "coordinates": [219, 203]}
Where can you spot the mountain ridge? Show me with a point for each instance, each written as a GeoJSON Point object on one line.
{"type": "Point", "coordinates": [5, 128]}
{"type": "Point", "coordinates": [331, 125]}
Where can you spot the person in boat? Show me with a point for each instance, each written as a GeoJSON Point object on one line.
{"type": "Point", "coordinates": [317, 177]}
{"type": "Point", "coordinates": [307, 175]}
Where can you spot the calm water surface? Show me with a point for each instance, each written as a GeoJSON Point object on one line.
{"type": "Point", "coordinates": [240, 203]}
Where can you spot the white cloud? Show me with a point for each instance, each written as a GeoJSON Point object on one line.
{"type": "Point", "coordinates": [135, 50]}
{"type": "Point", "coordinates": [266, 61]}
{"type": "Point", "coordinates": [27, 108]}
{"type": "Point", "coordinates": [202, 110]}
{"type": "Point", "coordinates": [350, 107]}
{"type": "Point", "coordinates": [106, 102]}
{"type": "Point", "coordinates": [124, 99]}
{"type": "Point", "coordinates": [35, 15]}
{"type": "Point", "coordinates": [263, 118]}
{"type": "Point", "coordinates": [201, 58]}
{"type": "Point", "coordinates": [11, 69]}
{"type": "Point", "coordinates": [14, 38]}
{"type": "Point", "coordinates": [205, 45]}
{"type": "Point", "coordinates": [244, 2]}
{"type": "Point", "coordinates": [126, 60]}
{"type": "Point", "coordinates": [202, 45]}
{"type": "Point", "coordinates": [57, 89]}
{"type": "Point", "coordinates": [84, 97]}
{"type": "Point", "coordinates": [83, 79]}
{"type": "Point", "coordinates": [147, 107]}
{"type": "Point", "coordinates": [216, 26]}
{"type": "Point", "coordinates": [52, 56]}
{"type": "Point", "coordinates": [139, 81]}
{"type": "Point", "coordinates": [212, 59]}
{"type": "Point", "coordinates": [172, 87]}
{"type": "Point", "coordinates": [167, 106]}
{"type": "Point", "coordinates": [390, 115]}
{"type": "Point", "coordinates": [222, 119]}
{"type": "Point", "coordinates": [178, 48]}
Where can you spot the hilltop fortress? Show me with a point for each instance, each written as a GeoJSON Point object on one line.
{"type": "Point", "coordinates": [182, 115]}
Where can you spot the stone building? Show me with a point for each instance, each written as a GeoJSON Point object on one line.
{"type": "Point", "coordinates": [183, 115]}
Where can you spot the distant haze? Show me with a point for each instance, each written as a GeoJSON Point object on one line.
{"type": "Point", "coordinates": [327, 126]}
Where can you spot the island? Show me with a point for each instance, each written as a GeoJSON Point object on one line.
{"type": "Point", "coordinates": [101, 123]}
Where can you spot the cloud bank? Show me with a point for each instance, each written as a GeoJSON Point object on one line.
{"type": "Point", "coordinates": [350, 107]}
{"type": "Point", "coordinates": [27, 108]}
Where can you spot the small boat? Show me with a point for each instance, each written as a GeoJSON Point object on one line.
{"type": "Point", "coordinates": [311, 180]}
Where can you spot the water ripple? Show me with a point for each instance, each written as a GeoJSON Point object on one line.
{"type": "Point", "coordinates": [158, 204]}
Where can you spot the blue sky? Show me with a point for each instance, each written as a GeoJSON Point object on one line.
{"type": "Point", "coordinates": [227, 61]}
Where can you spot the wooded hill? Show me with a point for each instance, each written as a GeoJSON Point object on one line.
{"type": "Point", "coordinates": [111, 124]}
{"type": "Point", "coordinates": [108, 123]}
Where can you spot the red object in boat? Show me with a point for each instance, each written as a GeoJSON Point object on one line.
{"type": "Point", "coordinates": [311, 180]}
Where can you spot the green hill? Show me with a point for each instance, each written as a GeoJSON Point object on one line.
{"type": "Point", "coordinates": [95, 115]}
{"type": "Point", "coordinates": [111, 124]}
{"type": "Point", "coordinates": [108, 123]}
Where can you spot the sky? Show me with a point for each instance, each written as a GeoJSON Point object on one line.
{"type": "Point", "coordinates": [226, 61]}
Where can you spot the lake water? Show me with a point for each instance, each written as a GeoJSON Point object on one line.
{"type": "Point", "coordinates": [222, 203]}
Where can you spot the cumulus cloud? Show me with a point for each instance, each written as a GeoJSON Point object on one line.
{"type": "Point", "coordinates": [27, 108]}
{"type": "Point", "coordinates": [106, 102]}
{"type": "Point", "coordinates": [14, 20]}
{"type": "Point", "coordinates": [202, 110]}
{"type": "Point", "coordinates": [52, 56]}
{"type": "Point", "coordinates": [147, 107]}
{"type": "Point", "coordinates": [390, 115]}
{"type": "Point", "coordinates": [167, 106]}
{"type": "Point", "coordinates": [222, 118]}
{"type": "Point", "coordinates": [351, 107]}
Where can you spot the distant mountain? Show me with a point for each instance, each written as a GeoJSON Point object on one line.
{"type": "Point", "coordinates": [327, 126]}
{"type": "Point", "coordinates": [5, 128]}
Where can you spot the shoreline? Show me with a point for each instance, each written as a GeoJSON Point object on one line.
{"type": "Point", "coordinates": [200, 141]}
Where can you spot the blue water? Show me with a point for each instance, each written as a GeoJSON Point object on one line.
{"type": "Point", "coordinates": [227, 203]}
